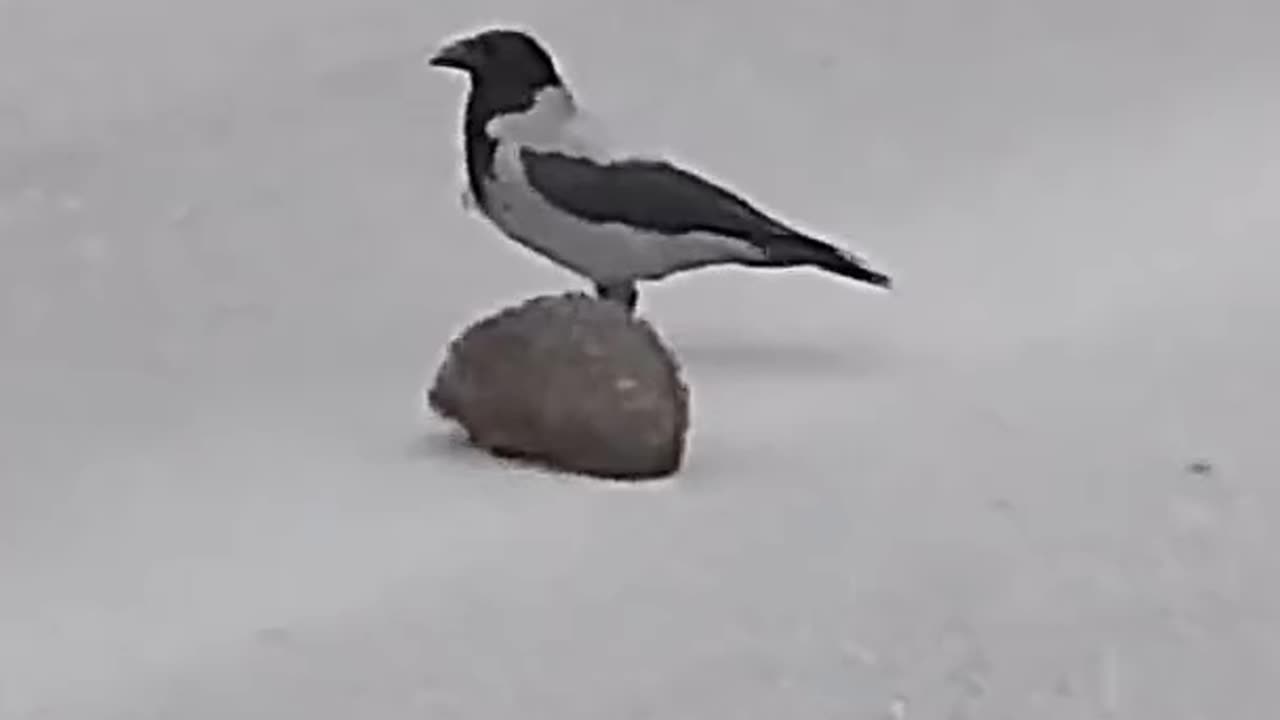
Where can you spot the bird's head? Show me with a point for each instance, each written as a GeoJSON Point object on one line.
{"type": "Point", "coordinates": [500, 57]}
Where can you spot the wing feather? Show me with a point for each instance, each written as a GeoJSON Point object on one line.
{"type": "Point", "coordinates": [648, 194]}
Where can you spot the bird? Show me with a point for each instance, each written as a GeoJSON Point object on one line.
{"type": "Point", "coordinates": [543, 171]}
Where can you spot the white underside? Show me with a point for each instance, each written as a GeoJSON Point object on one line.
{"type": "Point", "coordinates": [602, 252]}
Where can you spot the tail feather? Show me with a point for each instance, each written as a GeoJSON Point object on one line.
{"type": "Point", "coordinates": [801, 250]}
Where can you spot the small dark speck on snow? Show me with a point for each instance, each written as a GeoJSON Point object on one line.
{"type": "Point", "coordinates": [1200, 467]}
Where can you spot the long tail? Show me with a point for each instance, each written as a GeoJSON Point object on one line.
{"type": "Point", "coordinates": [793, 250]}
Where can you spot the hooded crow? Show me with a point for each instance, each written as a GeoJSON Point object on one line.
{"type": "Point", "coordinates": [538, 171]}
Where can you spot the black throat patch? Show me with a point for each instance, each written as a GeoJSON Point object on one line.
{"type": "Point", "coordinates": [487, 100]}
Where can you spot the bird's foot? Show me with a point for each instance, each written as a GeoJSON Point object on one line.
{"type": "Point", "coordinates": [623, 293]}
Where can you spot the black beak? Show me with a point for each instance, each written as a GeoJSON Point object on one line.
{"type": "Point", "coordinates": [456, 55]}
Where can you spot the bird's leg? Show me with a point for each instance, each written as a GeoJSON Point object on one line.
{"type": "Point", "coordinates": [623, 293]}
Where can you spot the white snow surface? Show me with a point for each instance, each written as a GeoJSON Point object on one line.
{"type": "Point", "coordinates": [1037, 480]}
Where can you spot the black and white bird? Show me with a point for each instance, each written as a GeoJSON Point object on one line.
{"type": "Point", "coordinates": [538, 170]}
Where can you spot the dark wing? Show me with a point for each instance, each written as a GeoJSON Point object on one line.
{"type": "Point", "coordinates": [648, 194]}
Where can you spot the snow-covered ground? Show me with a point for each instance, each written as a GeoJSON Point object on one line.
{"type": "Point", "coordinates": [1039, 480]}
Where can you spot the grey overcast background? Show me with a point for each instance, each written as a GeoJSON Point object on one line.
{"type": "Point", "coordinates": [1040, 480]}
